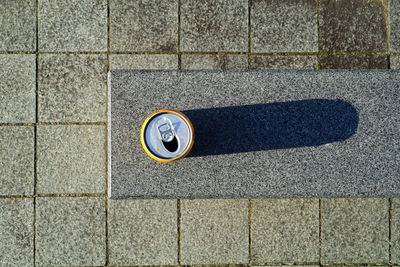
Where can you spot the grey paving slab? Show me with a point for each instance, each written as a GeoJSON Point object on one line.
{"type": "Point", "coordinates": [395, 231]}
{"type": "Point", "coordinates": [140, 62]}
{"type": "Point", "coordinates": [355, 230]}
{"type": "Point", "coordinates": [330, 133]}
{"type": "Point", "coordinates": [395, 62]}
{"type": "Point", "coordinates": [214, 25]}
{"type": "Point", "coordinates": [214, 62]}
{"type": "Point", "coordinates": [17, 88]}
{"type": "Point", "coordinates": [394, 18]}
{"type": "Point", "coordinates": [141, 25]}
{"type": "Point", "coordinates": [284, 62]}
{"type": "Point", "coordinates": [71, 159]}
{"type": "Point", "coordinates": [16, 232]}
{"type": "Point", "coordinates": [73, 25]}
{"type": "Point", "coordinates": [70, 231]}
{"type": "Point", "coordinates": [16, 160]}
{"type": "Point", "coordinates": [352, 25]}
{"type": "Point", "coordinates": [18, 25]}
{"type": "Point", "coordinates": [143, 232]}
{"type": "Point", "coordinates": [72, 88]}
{"type": "Point", "coordinates": [354, 62]}
{"type": "Point", "coordinates": [214, 231]}
{"type": "Point", "coordinates": [284, 26]}
{"type": "Point", "coordinates": [285, 230]}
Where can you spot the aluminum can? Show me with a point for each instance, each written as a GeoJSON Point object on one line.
{"type": "Point", "coordinates": [167, 135]}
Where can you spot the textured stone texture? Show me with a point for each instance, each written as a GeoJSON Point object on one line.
{"type": "Point", "coordinates": [149, 62]}
{"type": "Point", "coordinates": [72, 88]}
{"type": "Point", "coordinates": [285, 230]}
{"type": "Point", "coordinates": [18, 30]}
{"type": "Point", "coordinates": [284, 62]}
{"type": "Point", "coordinates": [214, 25]}
{"type": "Point", "coordinates": [395, 230]}
{"type": "Point", "coordinates": [354, 62]}
{"type": "Point", "coordinates": [214, 231]}
{"type": "Point", "coordinates": [16, 160]}
{"type": "Point", "coordinates": [214, 62]}
{"type": "Point", "coordinates": [70, 231]}
{"type": "Point", "coordinates": [394, 16]}
{"type": "Point", "coordinates": [16, 232]}
{"type": "Point", "coordinates": [284, 26]}
{"type": "Point", "coordinates": [78, 25]}
{"type": "Point", "coordinates": [144, 25]}
{"type": "Point", "coordinates": [395, 62]}
{"type": "Point", "coordinates": [355, 230]}
{"type": "Point", "coordinates": [17, 88]}
{"type": "Point", "coordinates": [143, 232]}
{"type": "Point", "coordinates": [357, 144]}
{"type": "Point", "coordinates": [71, 159]}
{"type": "Point", "coordinates": [352, 25]}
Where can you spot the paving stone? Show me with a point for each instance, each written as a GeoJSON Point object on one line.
{"type": "Point", "coordinates": [214, 62]}
{"type": "Point", "coordinates": [395, 230]}
{"type": "Point", "coordinates": [73, 25]}
{"type": "Point", "coordinates": [284, 62]}
{"type": "Point", "coordinates": [144, 25]}
{"type": "Point", "coordinates": [72, 88]}
{"type": "Point", "coordinates": [285, 230]}
{"type": "Point", "coordinates": [149, 62]}
{"type": "Point", "coordinates": [71, 159]}
{"type": "Point", "coordinates": [16, 160]}
{"type": "Point", "coordinates": [355, 230]}
{"type": "Point", "coordinates": [143, 232]}
{"type": "Point", "coordinates": [284, 26]}
{"type": "Point", "coordinates": [214, 25]}
{"type": "Point", "coordinates": [17, 88]}
{"type": "Point", "coordinates": [70, 231]}
{"type": "Point", "coordinates": [354, 62]}
{"type": "Point", "coordinates": [352, 25]}
{"type": "Point", "coordinates": [18, 30]}
{"type": "Point", "coordinates": [16, 232]}
{"type": "Point", "coordinates": [394, 16]}
{"type": "Point", "coordinates": [214, 231]}
{"type": "Point", "coordinates": [394, 62]}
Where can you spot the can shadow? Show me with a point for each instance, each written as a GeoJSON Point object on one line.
{"type": "Point", "coordinates": [282, 125]}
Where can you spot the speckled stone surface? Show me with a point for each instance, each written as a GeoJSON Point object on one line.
{"type": "Point", "coordinates": [395, 230]}
{"type": "Point", "coordinates": [72, 88]}
{"type": "Point", "coordinates": [285, 230]}
{"type": "Point", "coordinates": [352, 25]}
{"type": "Point", "coordinates": [214, 25]}
{"type": "Point", "coordinates": [284, 26]}
{"type": "Point", "coordinates": [284, 62]}
{"type": "Point", "coordinates": [141, 25]}
{"type": "Point", "coordinates": [73, 25]}
{"type": "Point", "coordinates": [71, 159]}
{"type": "Point", "coordinates": [315, 162]}
{"type": "Point", "coordinates": [354, 62]}
{"type": "Point", "coordinates": [214, 231]}
{"type": "Point", "coordinates": [355, 230]}
{"type": "Point", "coordinates": [16, 232]}
{"type": "Point", "coordinates": [140, 62]}
{"type": "Point", "coordinates": [394, 17]}
{"type": "Point", "coordinates": [16, 160]}
{"type": "Point", "coordinates": [143, 232]}
{"type": "Point", "coordinates": [214, 62]}
{"type": "Point", "coordinates": [18, 30]}
{"type": "Point", "coordinates": [395, 62]}
{"type": "Point", "coordinates": [70, 231]}
{"type": "Point", "coordinates": [17, 88]}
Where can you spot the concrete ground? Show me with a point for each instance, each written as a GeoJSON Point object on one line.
{"type": "Point", "coordinates": [54, 58]}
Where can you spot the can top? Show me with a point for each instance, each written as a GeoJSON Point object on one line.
{"type": "Point", "coordinates": [168, 135]}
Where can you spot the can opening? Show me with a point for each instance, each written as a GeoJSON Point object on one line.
{"type": "Point", "coordinates": [172, 145]}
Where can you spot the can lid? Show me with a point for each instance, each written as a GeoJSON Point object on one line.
{"type": "Point", "coordinates": [168, 135]}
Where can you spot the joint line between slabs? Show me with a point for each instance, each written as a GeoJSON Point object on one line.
{"type": "Point", "coordinates": [179, 215]}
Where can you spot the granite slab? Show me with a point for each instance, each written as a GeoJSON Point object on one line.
{"type": "Point", "coordinates": [260, 133]}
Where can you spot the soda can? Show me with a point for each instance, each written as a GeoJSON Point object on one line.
{"type": "Point", "coordinates": [167, 135]}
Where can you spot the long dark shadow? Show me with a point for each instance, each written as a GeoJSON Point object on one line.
{"type": "Point", "coordinates": [269, 126]}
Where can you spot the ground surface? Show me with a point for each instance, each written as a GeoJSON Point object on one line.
{"type": "Point", "coordinates": [54, 57]}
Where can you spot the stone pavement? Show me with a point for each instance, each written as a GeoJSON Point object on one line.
{"type": "Point", "coordinates": [54, 58]}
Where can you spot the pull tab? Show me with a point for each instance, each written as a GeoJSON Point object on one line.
{"type": "Point", "coordinates": [167, 134]}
